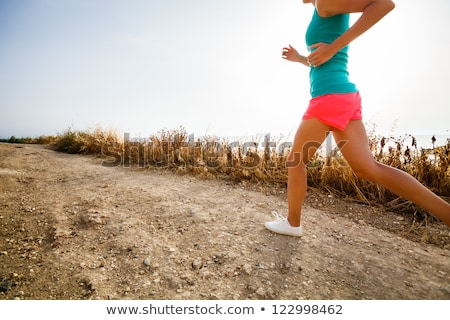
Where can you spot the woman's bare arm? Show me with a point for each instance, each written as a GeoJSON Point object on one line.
{"type": "Point", "coordinates": [372, 12]}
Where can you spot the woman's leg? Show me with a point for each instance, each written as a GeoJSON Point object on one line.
{"type": "Point", "coordinates": [309, 136]}
{"type": "Point", "coordinates": [355, 149]}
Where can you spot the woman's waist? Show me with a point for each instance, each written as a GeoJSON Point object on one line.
{"type": "Point", "coordinates": [329, 74]}
{"type": "Point", "coordinates": [332, 82]}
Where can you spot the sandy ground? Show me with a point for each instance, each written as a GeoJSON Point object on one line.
{"type": "Point", "coordinates": [73, 229]}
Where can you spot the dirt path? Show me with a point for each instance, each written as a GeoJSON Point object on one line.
{"type": "Point", "coordinates": [72, 229]}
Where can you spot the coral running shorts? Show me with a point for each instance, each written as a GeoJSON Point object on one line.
{"type": "Point", "coordinates": [335, 110]}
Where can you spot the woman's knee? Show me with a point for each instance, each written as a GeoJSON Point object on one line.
{"type": "Point", "coordinates": [301, 156]}
{"type": "Point", "coordinates": [295, 160]}
{"type": "Point", "coordinates": [367, 171]}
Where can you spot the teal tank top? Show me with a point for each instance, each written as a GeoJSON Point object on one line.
{"type": "Point", "coordinates": [332, 76]}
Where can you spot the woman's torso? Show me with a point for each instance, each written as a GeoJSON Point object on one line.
{"type": "Point", "coordinates": [332, 76]}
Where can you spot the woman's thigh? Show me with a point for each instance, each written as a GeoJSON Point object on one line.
{"type": "Point", "coordinates": [309, 137]}
{"type": "Point", "coordinates": [354, 146]}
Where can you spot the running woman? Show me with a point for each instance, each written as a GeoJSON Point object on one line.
{"type": "Point", "coordinates": [335, 107]}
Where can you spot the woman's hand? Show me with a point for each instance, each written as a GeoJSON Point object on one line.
{"type": "Point", "coordinates": [322, 53]}
{"type": "Point", "coordinates": [291, 54]}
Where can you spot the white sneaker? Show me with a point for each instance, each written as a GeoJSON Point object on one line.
{"type": "Point", "coordinates": [282, 226]}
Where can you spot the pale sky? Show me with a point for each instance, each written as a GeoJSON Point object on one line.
{"type": "Point", "coordinates": [212, 67]}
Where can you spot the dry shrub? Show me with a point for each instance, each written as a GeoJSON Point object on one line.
{"type": "Point", "coordinates": [85, 142]}
{"type": "Point", "coordinates": [93, 141]}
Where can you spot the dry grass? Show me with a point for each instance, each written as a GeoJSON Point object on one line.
{"type": "Point", "coordinates": [213, 157]}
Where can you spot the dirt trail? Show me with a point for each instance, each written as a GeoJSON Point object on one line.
{"type": "Point", "coordinates": [73, 229]}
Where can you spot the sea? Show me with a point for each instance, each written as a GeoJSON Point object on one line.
{"type": "Point", "coordinates": [423, 141]}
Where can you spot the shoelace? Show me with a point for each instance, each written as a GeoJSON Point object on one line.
{"type": "Point", "coordinates": [278, 216]}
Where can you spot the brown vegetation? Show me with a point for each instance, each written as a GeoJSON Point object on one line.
{"type": "Point", "coordinates": [214, 157]}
